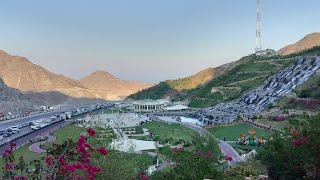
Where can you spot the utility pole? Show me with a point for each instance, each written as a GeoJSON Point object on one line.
{"type": "Point", "coordinates": [258, 26]}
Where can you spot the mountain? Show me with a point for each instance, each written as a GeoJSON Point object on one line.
{"type": "Point", "coordinates": [18, 72]}
{"type": "Point", "coordinates": [309, 41]}
{"type": "Point", "coordinates": [101, 80]}
{"type": "Point", "coordinates": [228, 82]}
{"type": "Point", "coordinates": [12, 100]}
{"type": "Point", "coordinates": [45, 87]}
{"type": "Point", "coordinates": [176, 88]}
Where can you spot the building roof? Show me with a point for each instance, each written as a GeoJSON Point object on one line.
{"type": "Point", "coordinates": [150, 102]}
{"type": "Point", "coordinates": [176, 108]}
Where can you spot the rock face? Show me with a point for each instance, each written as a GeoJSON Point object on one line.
{"type": "Point", "coordinates": [309, 41]}
{"type": "Point", "coordinates": [18, 72]}
{"type": "Point", "coordinates": [45, 87]}
{"type": "Point", "coordinates": [12, 100]}
{"type": "Point", "coordinates": [101, 80]}
{"type": "Point", "coordinates": [255, 101]}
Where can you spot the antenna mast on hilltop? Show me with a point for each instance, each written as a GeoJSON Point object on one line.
{"type": "Point", "coordinates": [258, 30]}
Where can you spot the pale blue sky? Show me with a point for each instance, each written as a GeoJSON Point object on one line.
{"type": "Point", "coordinates": [147, 40]}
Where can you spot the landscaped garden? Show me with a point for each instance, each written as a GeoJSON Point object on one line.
{"type": "Point", "coordinates": [232, 132]}
{"type": "Point", "coordinates": [165, 132]}
{"type": "Point", "coordinates": [62, 134]}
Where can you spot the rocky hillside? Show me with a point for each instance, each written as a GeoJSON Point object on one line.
{"type": "Point", "coordinates": [12, 100]}
{"type": "Point", "coordinates": [178, 87]}
{"type": "Point", "coordinates": [19, 73]}
{"type": "Point", "coordinates": [309, 41]}
{"type": "Point", "coordinates": [101, 80]}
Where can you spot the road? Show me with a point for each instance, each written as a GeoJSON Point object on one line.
{"type": "Point", "coordinates": [14, 122]}
{"type": "Point", "coordinates": [44, 131]}
{"type": "Point", "coordinates": [226, 149]}
{"type": "Point", "coordinates": [41, 132]}
{"type": "Point", "coordinates": [17, 121]}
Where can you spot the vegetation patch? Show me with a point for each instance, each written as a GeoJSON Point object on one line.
{"type": "Point", "coordinates": [164, 132]}
{"type": "Point", "coordinates": [232, 132]}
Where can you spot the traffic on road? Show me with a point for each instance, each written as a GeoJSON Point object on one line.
{"type": "Point", "coordinates": [19, 127]}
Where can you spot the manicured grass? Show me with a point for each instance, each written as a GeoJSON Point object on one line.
{"type": "Point", "coordinates": [24, 151]}
{"type": "Point", "coordinates": [274, 124]}
{"type": "Point", "coordinates": [68, 132]}
{"type": "Point", "coordinates": [170, 131]}
{"type": "Point", "coordinates": [62, 134]}
{"type": "Point", "coordinates": [232, 132]}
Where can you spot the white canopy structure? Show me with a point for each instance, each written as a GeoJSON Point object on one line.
{"type": "Point", "coordinates": [127, 145]}
{"type": "Point", "coordinates": [176, 108]}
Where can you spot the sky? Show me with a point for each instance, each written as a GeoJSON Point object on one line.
{"type": "Point", "coordinates": [147, 40]}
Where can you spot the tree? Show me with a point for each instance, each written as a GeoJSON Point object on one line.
{"type": "Point", "coordinates": [304, 93]}
{"type": "Point", "coordinates": [295, 153]}
{"type": "Point", "coordinates": [200, 162]}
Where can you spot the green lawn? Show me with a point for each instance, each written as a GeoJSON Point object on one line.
{"type": "Point", "coordinates": [232, 132]}
{"type": "Point", "coordinates": [67, 132]}
{"type": "Point", "coordinates": [170, 131]}
{"type": "Point", "coordinates": [274, 124]}
{"type": "Point", "coordinates": [62, 134]}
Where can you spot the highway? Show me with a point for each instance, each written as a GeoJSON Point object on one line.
{"type": "Point", "coordinates": [15, 122]}
{"type": "Point", "coordinates": [43, 131]}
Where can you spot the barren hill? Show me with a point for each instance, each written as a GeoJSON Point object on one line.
{"type": "Point", "coordinates": [18, 72]}
{"type": "Point", "coordinates": [12, 100]}
{"type": "Point", "coordinates": [309, 41]}
{"type": "Point", "coordinates": [45, 87]}
{"type": "Point", "coordinates": [101, 80]}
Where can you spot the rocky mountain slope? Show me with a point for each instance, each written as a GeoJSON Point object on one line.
{"type": "Point", "coordinates": [101, 80]}
{"type": "Point", "coordinates": [233, 79]}
{"type": "Point", "coordinates": [309, 41]}
{"type": "Point", "coordinates": [18, 72]}
{"type": "Point", "coordinates": [12, 100]}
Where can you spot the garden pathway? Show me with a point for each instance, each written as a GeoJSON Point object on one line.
{"type": "Point", "coordinates": [36, 146]}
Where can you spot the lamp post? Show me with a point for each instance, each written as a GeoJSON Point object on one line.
{"type": "Point", "coordinates": [157, 152]}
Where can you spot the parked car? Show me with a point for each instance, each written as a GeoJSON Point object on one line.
{"type": "Point", "coordinates": [2, 132]}
{"type": "Point", "coordinates": [14, 128]}
{"type": "Point", "coordinates": [35, 127]}
{"type": "Point", "coordinates": [31, 124]}
{"type": "Point", "coordinates": [7, 135]}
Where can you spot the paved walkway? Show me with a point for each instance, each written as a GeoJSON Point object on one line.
{"type": "Point", "coordinates": [226, 149]}
{"type": "Point", "coordinates": [36, 146]}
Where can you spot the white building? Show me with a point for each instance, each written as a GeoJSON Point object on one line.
{"type": "Point", "coordinates": [149, 105]}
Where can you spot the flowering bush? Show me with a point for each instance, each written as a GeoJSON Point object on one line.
{"type": "Point", "coordinates": [69, 160]}
{"type": "Point", "coordinates": [305, 102]}
{"type": "Point", "coordinates": [294, 154]}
